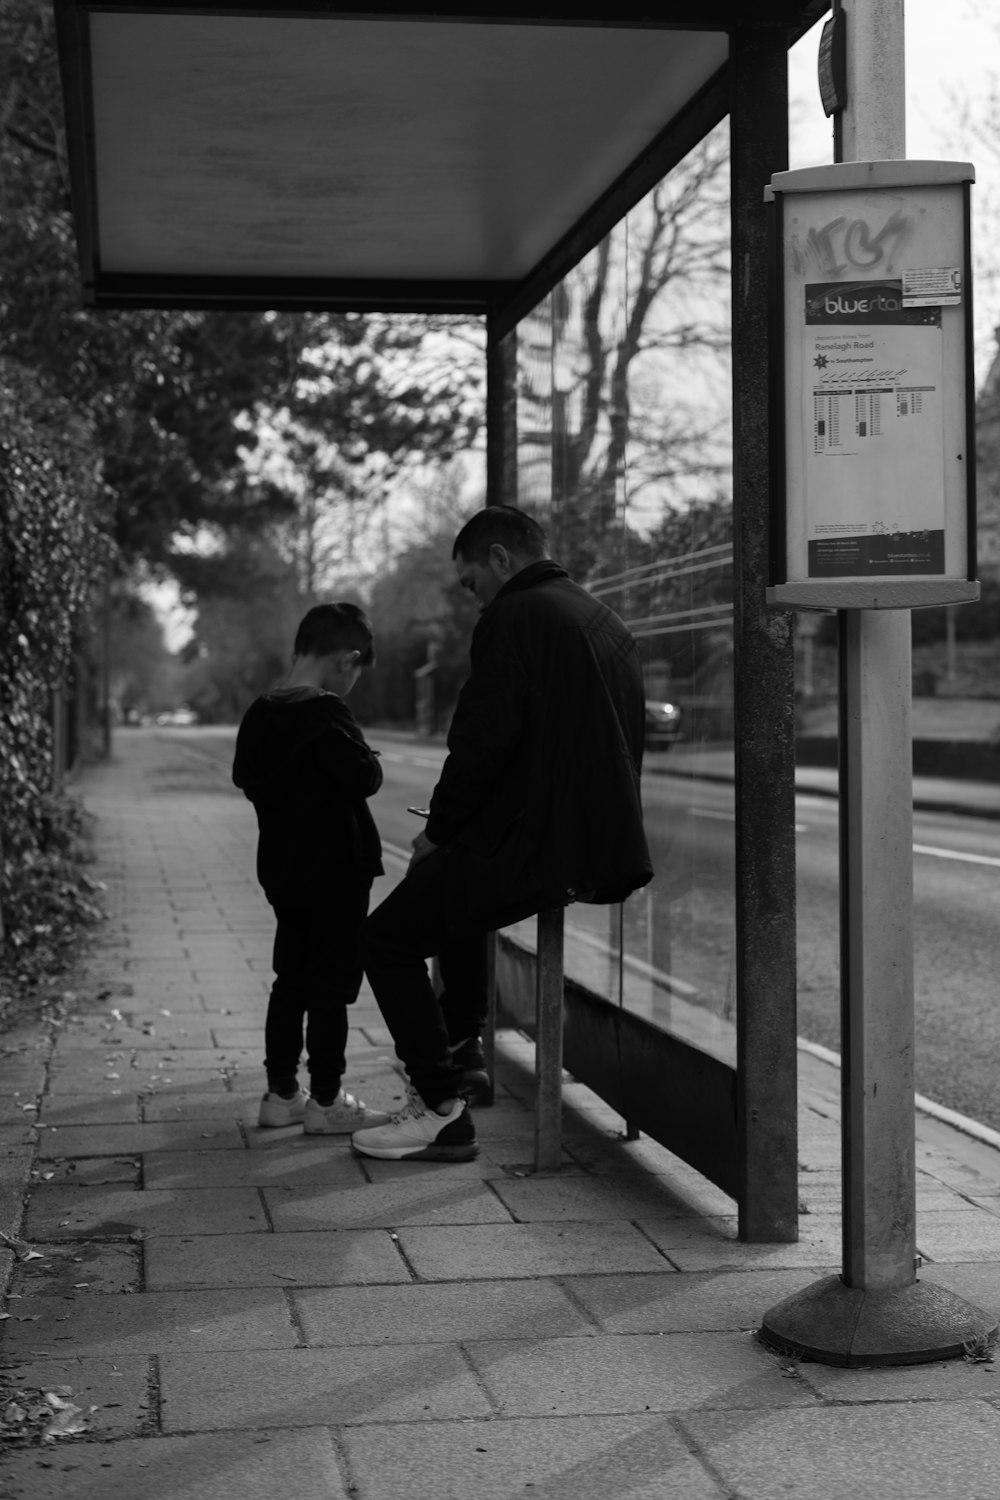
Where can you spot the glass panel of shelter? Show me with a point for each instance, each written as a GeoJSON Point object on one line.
{"type": "Point", "coordinates": [623, 453]}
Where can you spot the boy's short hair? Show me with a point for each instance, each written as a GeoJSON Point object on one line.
{"type": "Point", "coordinates": [504, 525]}
{"type": "Point", "coordinates": [329, 628]}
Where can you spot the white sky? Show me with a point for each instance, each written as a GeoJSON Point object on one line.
{"type": "Point", "coordinates": [952, 65]}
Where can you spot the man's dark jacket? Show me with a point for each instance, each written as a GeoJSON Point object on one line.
{"type": "Point", "coordinates": [540, 793]}
{"type": "Point", "coordinates": [302, 761]}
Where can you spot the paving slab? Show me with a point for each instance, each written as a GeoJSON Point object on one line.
{"type": "Point", "coordinates": [57, 1212]}
{"type": "Point", "coordinates": [303, 1387]}
{"type": "Point", "coordinates": [973, 1171]}
{"type": "Point", "coordinates": [349, 1257]}
{"type": "Point", "coordinates": [672, 1302]}
{"type": "Point", "coordinates": [934, 1451]}
{"type": "Point", "coordinates": [711, 1245]}
{"type": "Point", "coordinates": [169, 1106]}
{"type": "Point", "coordinates": [16, 1161]}
{"type": "Point", "coordinates": [942, 1380]}
{"type": "Point", "coordinates": [136, 1081]}
{"type": "Point", "coordinates": [387, 1205]}
{"type": "Point", "coordinates": [438, 1313]}
{"type": "Point", "coordinates": [122, 1140]}
{"type": "Point", "coordinates": [827, 1197]}
{"type": "Point", "coordinates": [288, 1162]}
{"type": "Point", "coordinates": [92, 1171]}
{"type": "Point", "coordinates": [150, 1323]}
{"type": "Point", "coordinates": [78, 1269]}
{"type": "Point", "coordinates": [484, 1168]}
{"type": "Point", "coordinates": [146, 1030]}
{"type": "Point", "coordinates": [647, 1159]}
{"type": "Point", "coordinates": [222, 1466]}
{"type": "Point", "coordinates": [11, 1209]}
{"type": "Point", "coordinates": [19, 1112]}
{"type": "Point", "coordinates": [116, 1394]}
{"type": "Point", "coordinates": [490, 1252]}
{"type": "Point", "coordinates": [89, 1109]}
{"type": "Point", "coordinates": [640, 1372]}
{"type": "Point", "coordinates": [18, 1129]}
{"type": "Point", "coordinates": [959, 1236]}
{"type": "Point", "coordinates": [235, 1032]}
{"type": "Point", "coordinates": [578, 1198]}
{"type": "Point", "coordinates": [197, 1059]}
{"type": "Point", "coordinates": [977, 1283]}
{"type": "Point", "coordinates": [572, 1458]}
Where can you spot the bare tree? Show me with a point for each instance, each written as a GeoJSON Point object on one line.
{"type": "Point", "coordinates": [626, 373]}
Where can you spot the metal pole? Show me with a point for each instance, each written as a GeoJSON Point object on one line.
{"type": "Point", "coordinates": [490, 1031]}
{"type": "Point", "coordinates": [501, 488]}
{"type": "Point", "coordinates": [876, 801]}
{"type": "Point", "coordinates": [549, 1040]}
{"type": "Point", "coordinates": [876, 1312]}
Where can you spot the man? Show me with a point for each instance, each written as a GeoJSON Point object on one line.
{"type": "Point", "coordinates": [538, 805]}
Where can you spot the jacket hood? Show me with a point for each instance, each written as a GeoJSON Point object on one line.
{"type": "Point", "coordinates": [276, 726]}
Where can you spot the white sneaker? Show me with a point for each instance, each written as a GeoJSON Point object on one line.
{"type": "Point", "coordinates": [275, 1111]}
{"type": "Point", "coordinates": [419, 1133]}
{"type": "Point", "coordinates": [343, 1116]}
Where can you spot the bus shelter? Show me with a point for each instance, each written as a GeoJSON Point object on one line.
{"type": "Point", "coordinates": [529, 169]}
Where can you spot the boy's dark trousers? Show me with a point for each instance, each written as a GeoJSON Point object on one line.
{"type": "Point", "coordinates": [318, 973]}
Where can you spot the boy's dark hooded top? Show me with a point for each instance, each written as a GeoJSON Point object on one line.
{"type": "Point", "coordinates": [302, 761]}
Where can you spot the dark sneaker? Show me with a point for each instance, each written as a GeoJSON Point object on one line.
{"type": "Point", "coordinates": [476, 1086]}
{"type": "Point", "coordinates": [419, 1133]}
{"type": "Point", "coordinates": [276, 1111]}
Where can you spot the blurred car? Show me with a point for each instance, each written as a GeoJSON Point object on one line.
{"type": "Point", "coordinates": [663, 724]}
{"type": "Point", "coordinates": [180, 718]}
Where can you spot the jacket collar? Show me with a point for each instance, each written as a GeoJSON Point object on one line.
{"type": "Point", "coordinates": [538, 572]}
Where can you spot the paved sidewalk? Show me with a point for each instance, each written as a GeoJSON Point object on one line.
{"type": "Point", "coordinates": [240, 1315]}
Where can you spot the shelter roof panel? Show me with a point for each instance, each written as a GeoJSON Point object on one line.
{"type": "Point", "coordinates": [268, 149]}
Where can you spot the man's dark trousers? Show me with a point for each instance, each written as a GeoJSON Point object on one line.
{"type": "Point", "coordinates": [425, 916]}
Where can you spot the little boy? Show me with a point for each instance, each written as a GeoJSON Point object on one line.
{"type": "Point", "coordinates": [303, 762]}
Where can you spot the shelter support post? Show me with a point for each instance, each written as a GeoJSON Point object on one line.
{"type": "Point", "coordinates": [876, 1312]}
{"type": "Point", "coordinates": [501, 414]}
{"type": "Point", "coordinates": [549, 1040]}
{"type": "Point", "coordinates": [501, 488]}
{"type": "Point", "coordinates": [766, 1085]}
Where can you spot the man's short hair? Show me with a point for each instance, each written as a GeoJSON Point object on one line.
{"type": "Point", "coordinates": [329, 628]}
{"type": "Point", "coordinates": [504, 525]}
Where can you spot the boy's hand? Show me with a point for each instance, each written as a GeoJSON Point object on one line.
{"type": "Point", "coordinates": [422, 846]}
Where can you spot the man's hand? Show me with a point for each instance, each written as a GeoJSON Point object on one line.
{"type": "Point", "coordinates": [422, 846]}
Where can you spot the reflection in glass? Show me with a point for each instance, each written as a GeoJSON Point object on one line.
{"type": "Point", "coordinates": [624, 454]}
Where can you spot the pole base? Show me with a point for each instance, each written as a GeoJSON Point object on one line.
{"type": "Point", "coordinates": [836, 1324]}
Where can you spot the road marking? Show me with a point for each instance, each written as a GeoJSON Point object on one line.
{"type": "Point", "coordinates": [730, 817]}
{"type": "Point", "coordinates": [412, 760]}
{"type": "Point", "coordinates": [969, 859]}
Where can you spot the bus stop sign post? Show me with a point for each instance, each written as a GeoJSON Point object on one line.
{"type": "Point", "coordinates": [873, 309]}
